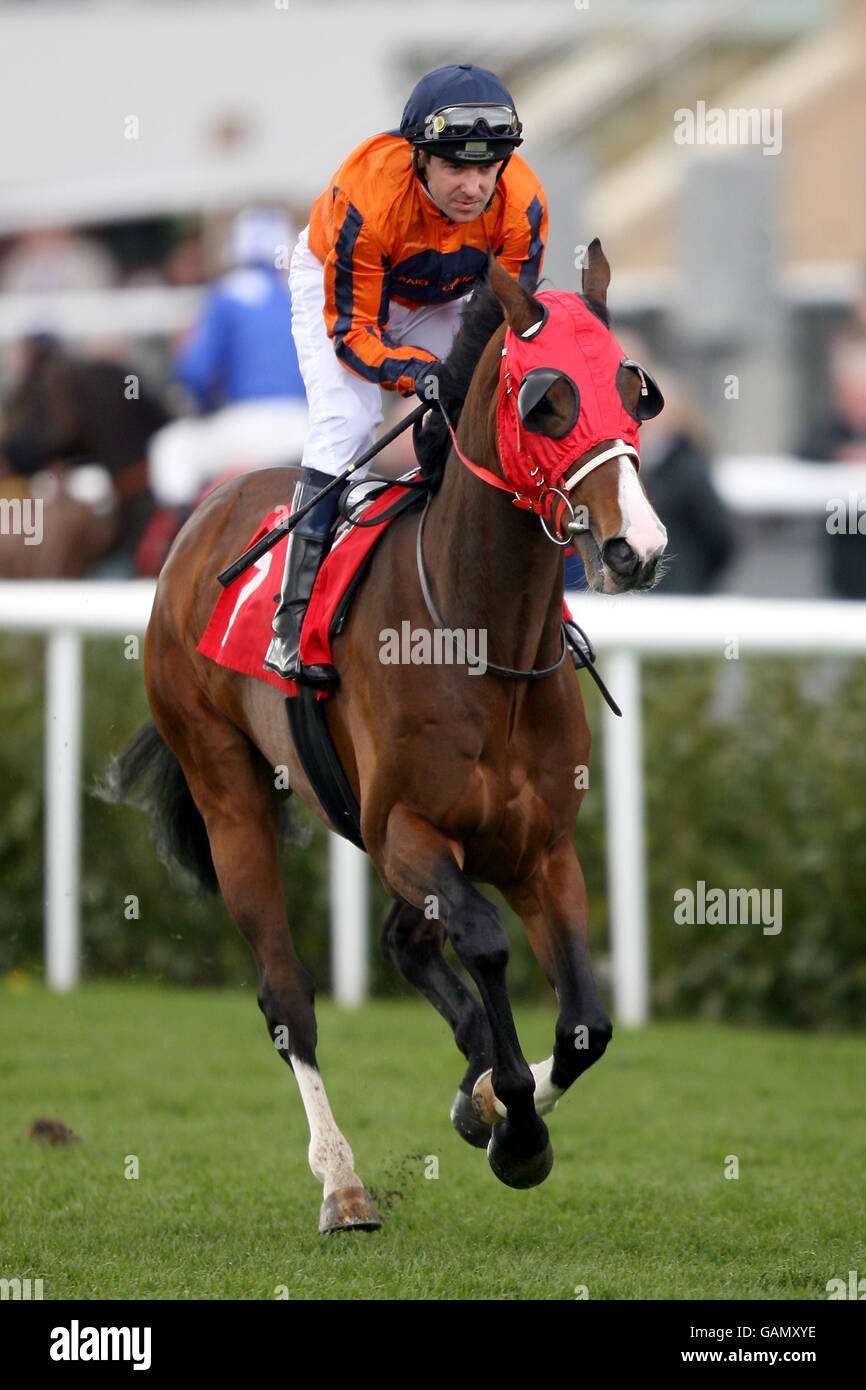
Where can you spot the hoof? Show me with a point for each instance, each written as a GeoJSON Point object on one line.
{"type": "Point", "coordinates": [466, 1122]}
{"type": "Point", "coordinates": [488, 1110]}
{"type": "Point", "coordinates": [348, 1209]}
{"type": "Point", "coordinates": [515, 1171]}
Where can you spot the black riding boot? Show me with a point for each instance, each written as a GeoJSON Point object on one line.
{"type": "Point", "coordinates": [307, 546]}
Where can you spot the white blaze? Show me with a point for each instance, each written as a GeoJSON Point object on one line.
{"type": "Point", "coordinates": [641, 528]}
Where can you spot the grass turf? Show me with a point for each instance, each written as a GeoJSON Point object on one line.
{"type": "Point", "coordinates": [637, 1205]}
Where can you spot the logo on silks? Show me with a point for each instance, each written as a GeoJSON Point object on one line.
{"type": "Point", "coordinates": [569, 344]}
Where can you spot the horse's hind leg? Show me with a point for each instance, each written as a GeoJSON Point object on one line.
{"type": "Point", "coordinates": [414, 943]}
{"type": "Point", "coordinates": [232, 787]}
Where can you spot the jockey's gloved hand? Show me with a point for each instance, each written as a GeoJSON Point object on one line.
{"type": "Point", "coordinates": [431, 383]}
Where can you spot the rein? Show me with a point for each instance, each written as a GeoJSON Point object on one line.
{"type": "Point", "coordinates": [508, 671]}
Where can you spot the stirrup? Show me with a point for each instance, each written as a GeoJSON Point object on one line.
{"type": "Point", "coordinates": [283, 658]}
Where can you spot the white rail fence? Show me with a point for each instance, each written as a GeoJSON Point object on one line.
{"type": "Point", "coordinates": [622, 629]}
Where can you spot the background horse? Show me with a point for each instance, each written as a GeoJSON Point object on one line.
{"type": "Point", "coordinates": [65, 411]}
{"type": "Point", "coordinates": [458, 776]}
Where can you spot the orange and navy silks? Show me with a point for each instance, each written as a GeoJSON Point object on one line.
{"type": "Point", "coordinates": [576, 344]}
{"type": "Point", "coordinates": [381, 237]}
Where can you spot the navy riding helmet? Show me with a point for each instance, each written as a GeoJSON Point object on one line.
{"type": "Point", "coordinates": [462, 113]}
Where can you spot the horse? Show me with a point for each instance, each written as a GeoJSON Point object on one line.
{"type": "Point", "coordinates": [64, 411]}
{"type": "Point", "coordinates": [462, 776]}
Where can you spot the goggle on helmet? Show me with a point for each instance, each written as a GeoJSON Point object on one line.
{"type": "Point", "coordinates": [469, 132]}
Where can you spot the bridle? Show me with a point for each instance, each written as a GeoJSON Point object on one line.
{"type": "Point", "coordinates": [542, 504]}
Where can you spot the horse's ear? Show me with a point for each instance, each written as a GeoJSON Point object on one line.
{"type": "Point", "coordinates": [596, 273]}
{"type": "Point", "coordinates": [521, 310]}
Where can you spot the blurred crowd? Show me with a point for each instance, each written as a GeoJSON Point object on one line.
{"type": "Point", "coordinates": [62, 258]}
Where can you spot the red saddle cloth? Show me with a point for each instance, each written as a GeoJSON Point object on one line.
{"type": "Point", "coordinates": [239, 631]}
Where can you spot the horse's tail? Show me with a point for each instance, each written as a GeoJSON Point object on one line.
{"type": "Point", "coordinates": [175, 821]}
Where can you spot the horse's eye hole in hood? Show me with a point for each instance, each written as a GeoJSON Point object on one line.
{"type": "Point", "coordinates": [650, 401]}
{"type": "Point", "coordinates": [535, 410]}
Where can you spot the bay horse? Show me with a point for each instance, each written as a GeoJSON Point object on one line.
{"type": "Point", "coordinates": [458, 778]}
{"type": "Point", "coordinates": [65, 410]}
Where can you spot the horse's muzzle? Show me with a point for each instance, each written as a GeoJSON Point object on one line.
{"type": "Point", "coordinates": [626, 569]}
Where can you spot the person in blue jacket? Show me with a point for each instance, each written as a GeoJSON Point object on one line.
{"type": "Point", "coordinates": [239, 365]}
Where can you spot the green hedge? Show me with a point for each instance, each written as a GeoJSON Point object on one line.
{"type": "Point", "coordinates": [770, 793]}
{"type": "Point", "coordinates": [756, 777]}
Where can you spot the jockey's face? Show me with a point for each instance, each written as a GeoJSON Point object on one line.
{"type": "Point", "coordinates": [462, 191]}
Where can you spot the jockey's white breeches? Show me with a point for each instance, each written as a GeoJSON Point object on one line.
{"type": "Point", "coordinates": [186, 455]}
{"type": "Point", "coordinates": [345, 410]}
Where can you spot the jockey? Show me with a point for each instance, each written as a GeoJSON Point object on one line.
{"type": "Point", "coordinates": [394, 245]}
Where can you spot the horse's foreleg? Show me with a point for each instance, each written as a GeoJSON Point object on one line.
{"type": "Point", "coordinates": [413, 943]}
{"type": "Point", "coordinates": [419, 864]}
{"type": "Point", "coordinates": [553, 908]}
{"type": "Point", "coordinates": [232, 787]}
